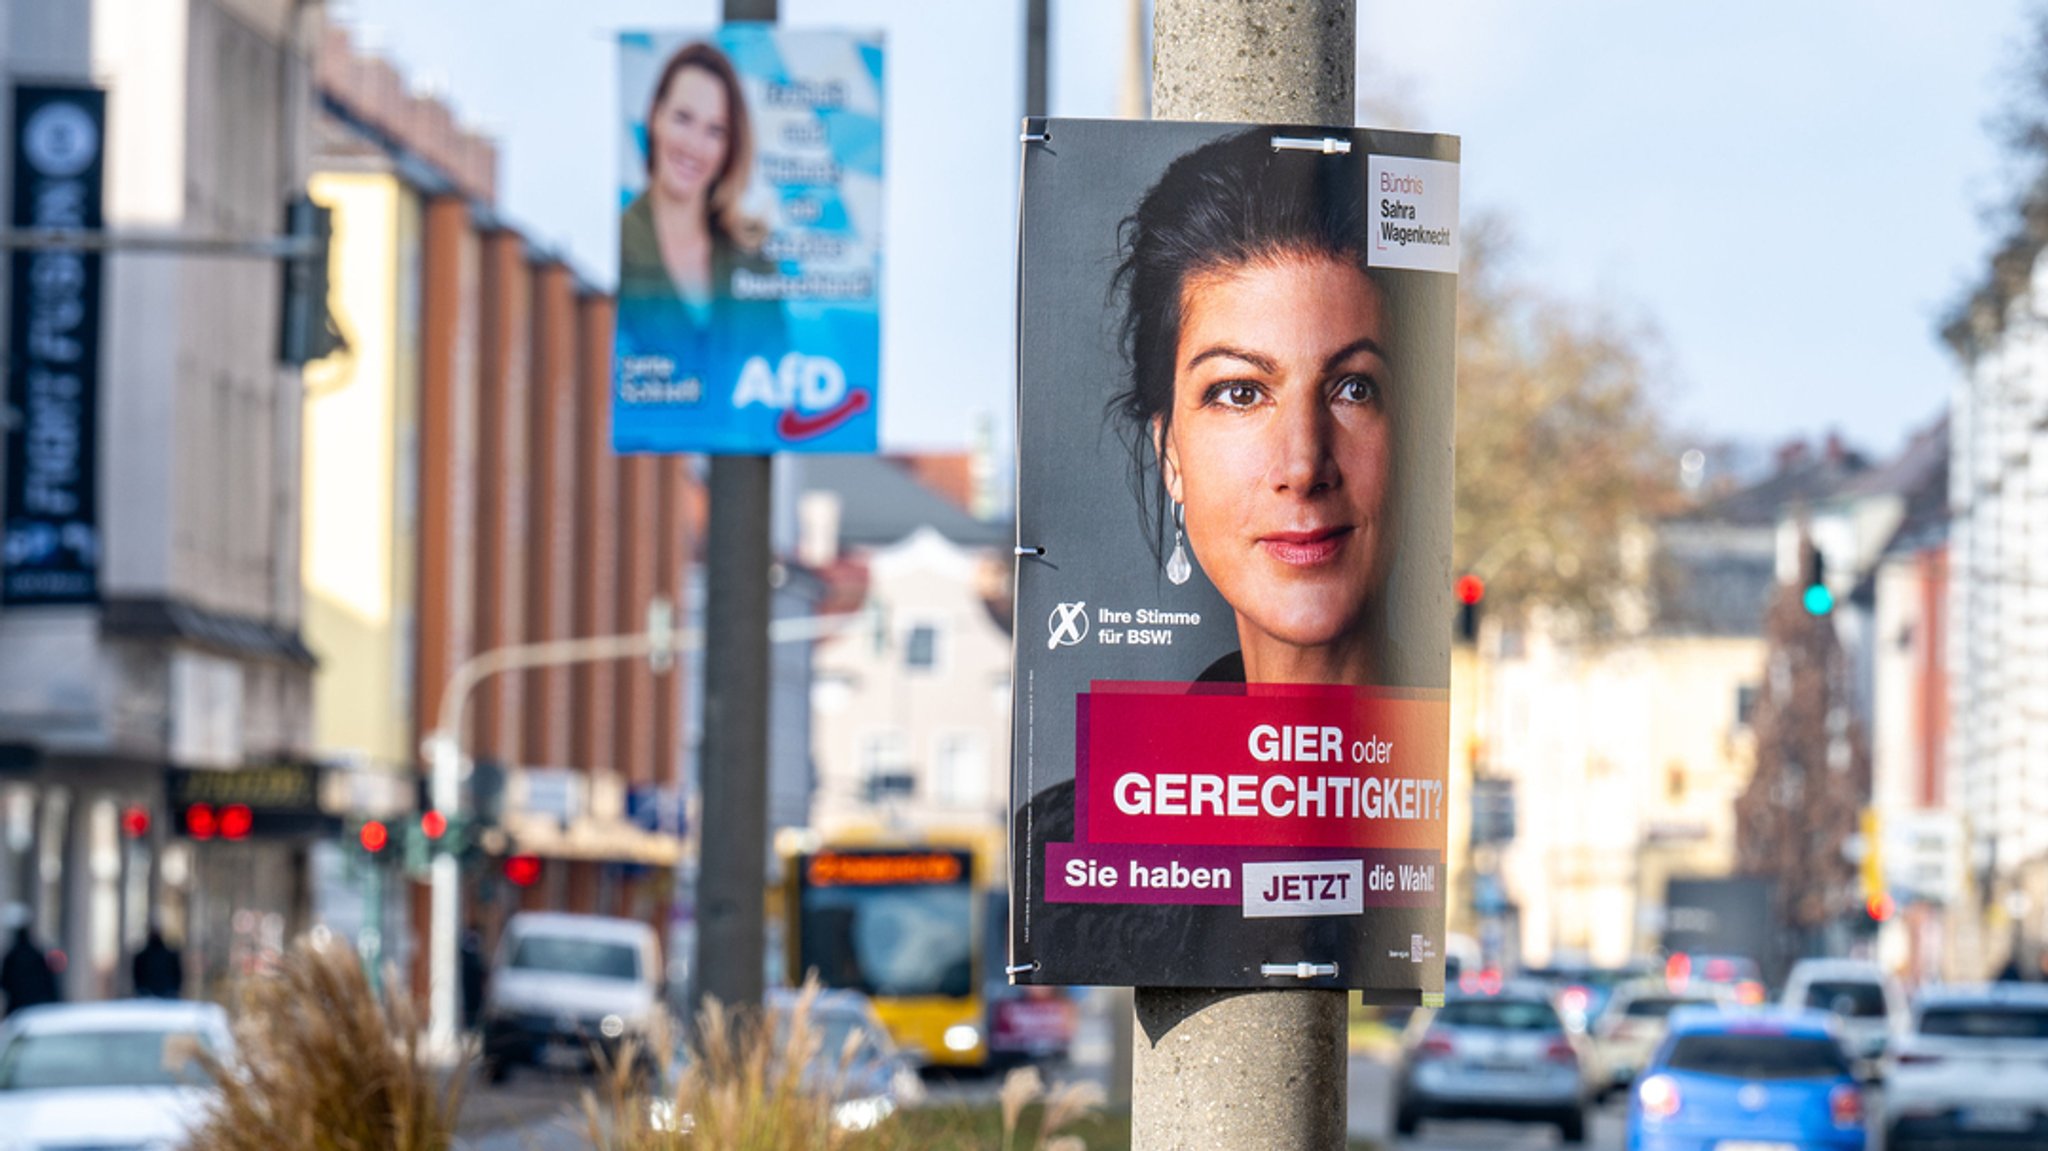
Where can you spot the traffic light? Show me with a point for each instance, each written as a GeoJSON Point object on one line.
{"type": "Point", "coordinates": [200, 821]}
{"type": "Point", "coordinates": [1471, 589]}
{"type": "Point", "coordinates": [433, 824]}
{"type": "Point", "coordinates": [522, 870]}
{"type": "Point", "coordinates": [306, 328]}
{"type": "Point", "coordinates": [373, 836]}
{"type": "Point", "coordinates": [235, 821]}
{"type": "Point", "coordinates": [1816, 598]}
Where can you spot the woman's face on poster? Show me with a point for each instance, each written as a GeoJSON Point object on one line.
{"type": "Point", "coordinates": [1279, 449]}
{"type": "Point", "coordinates": [689, 134]}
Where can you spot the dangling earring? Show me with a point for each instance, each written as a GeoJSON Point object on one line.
{"type": "Point", "coordinates": [1178, 569]}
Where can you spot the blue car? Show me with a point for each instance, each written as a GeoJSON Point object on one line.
{"type": "Point", "coordinates": [1770, 1081]}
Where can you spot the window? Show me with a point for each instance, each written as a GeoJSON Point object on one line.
{"type": "Point", "coordinates": [921, 647]}
{"type": "Point", "coordinates": [885, 765]}
{"type": "Point", "coordinates": [1745, 704]}
{"type": "Point", "coordinates": [1985, 1021]}
{"type": "Point", "coordinates": [71, 1059]}
{"type": "Point", "coordinates": [1850, 999]}
{"type": "Point", "coordinates": [1758, 1056]}
{"type": "Point", "coordinates": [960, 768]}
{"type": "Point", "coordinates": [591, 958]}
{"type": "Point", "coordinates": [1500, 1015]}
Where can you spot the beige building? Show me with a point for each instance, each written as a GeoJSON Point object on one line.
{"type": "Point", "coordinates": [1626, 752]}
{"type": "Point", "coordinates": [911, 712]}
{"type": "Point", "coordinates": [1626, 759]}
{"type": "Point", "coordinates": [910, 709]}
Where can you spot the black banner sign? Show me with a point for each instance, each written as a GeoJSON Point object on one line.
{"type": "Point", "coordinates": [275, 801]}
{"type": "Point", "coordinates": [50, 545]}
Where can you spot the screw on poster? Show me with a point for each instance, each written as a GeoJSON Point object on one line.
{"type": "Point", "coordinates": [750, 213]}
{"type": "Point", "coordinates": [1233, 584]}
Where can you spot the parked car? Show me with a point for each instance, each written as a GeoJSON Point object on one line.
{"type": "Point", "coordinates": [853, 1060]}
{"type": "Point", "coordinates": [567, 989]}
{"type": "Point", "coordinates": [1865, 1001]}
{"type": "Point", "coordinates": [1629, 1031]}
{"type": "Point", "coordinates": [1763, 1081]}
{"type": "Point", "coordinates": [104, 1075]}
{"type": "Point", "coordinates": [1971, 1070]}
{"type": "Point", "coordinates": [1506, 1055]}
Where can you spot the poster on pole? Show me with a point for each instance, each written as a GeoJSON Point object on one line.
{"type": "Point", "coordinates": [1233, 594]}
{"type": "Point", "coordinates": [50, 538]}
{"type": "Point", "coordinates": [750, 223]}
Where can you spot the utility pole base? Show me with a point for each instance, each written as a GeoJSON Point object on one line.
{"type": "Point", "coordinates": [1239, 1070]}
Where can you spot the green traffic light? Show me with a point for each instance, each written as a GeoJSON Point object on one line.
{"type": "Point", "coordinates": [1818, 599]}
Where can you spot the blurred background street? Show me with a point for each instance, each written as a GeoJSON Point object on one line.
{"type": "Point", "coordinates": [311, 493]}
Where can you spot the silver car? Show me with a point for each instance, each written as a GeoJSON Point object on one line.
{"type": "Point", "coordinates": [1972, 1070]}
{"type": "Point", "coordinates": [109, 1075]}
{"type": "Point", "coordinates": [1502, 1056]}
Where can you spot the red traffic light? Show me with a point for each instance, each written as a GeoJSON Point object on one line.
{"type": "Point", "coordinates": [433, 824]}
{"type": "Point", "coordinates": [1471, 589]}
{"type": "Point", "coordinates": [134, 821]}
{"type": "Point", "coordinates": [200, 822]}
{"type": "Point", "coordinates": [235, 821]}
{"type": "Point", "coordinates": [373, 837]}
{"type": "Point", "coordinates": [1881, 908]}
{"type": "Point", "coordinates": [522, 870]}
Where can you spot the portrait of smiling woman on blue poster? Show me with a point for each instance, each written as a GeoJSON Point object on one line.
{"type": "Point", "coordinates": [749, 242]}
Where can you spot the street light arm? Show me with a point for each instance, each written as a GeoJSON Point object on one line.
{"type": "Point", "coordinates": [473, 671]}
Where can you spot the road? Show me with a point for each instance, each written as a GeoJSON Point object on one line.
{"type": "Point", "coordinates": [540, 1111]}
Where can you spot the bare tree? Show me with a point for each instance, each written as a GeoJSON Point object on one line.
{"type": "Point", "coordinates": [1561, 452]}
{"type": "Point", "coordinates": [1812, 777]}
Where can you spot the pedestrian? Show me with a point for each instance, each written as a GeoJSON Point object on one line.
{"type": "Point", "coordinates": [473, 974]}
{"type": "Point", "coordinates": [158, 969]}
{"type": "Point", "coordinates": [25, 976]}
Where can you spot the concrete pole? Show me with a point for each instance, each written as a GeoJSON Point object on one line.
{"type": "Point", "coordinates": [732, 848]}
{"type": "Point", "coordinates": [1245, 1069]}
{"type": "Point", "coordinates": [1037, 22]}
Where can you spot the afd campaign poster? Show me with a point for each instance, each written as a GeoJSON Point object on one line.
{"type": "Point", "coordinates": [1234, 529]}
{"type": "Point", "coordinates": [750, 223]}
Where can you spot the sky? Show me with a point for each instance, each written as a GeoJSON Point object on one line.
{"type": "Point", "coordinates": [1786, 195]}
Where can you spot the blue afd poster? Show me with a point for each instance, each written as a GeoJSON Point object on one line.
{"type": "Point", "coordinates": [750, 205]}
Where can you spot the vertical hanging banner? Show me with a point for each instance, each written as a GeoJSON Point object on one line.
{"type": "Point", "coordinates": [750, 217]}
{"type": "Point", "coordinates": [50, 544]}
{"type": "Point", "coordinates": [1233, 592]}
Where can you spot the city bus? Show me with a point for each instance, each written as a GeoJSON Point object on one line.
{"type": "Point", "coordinates": [904, 925]}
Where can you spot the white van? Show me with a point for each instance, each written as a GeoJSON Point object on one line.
{"type": "Point", "coordinates": [566, 988]}
{"type": "Point", "coordinates": [1866, 1001]}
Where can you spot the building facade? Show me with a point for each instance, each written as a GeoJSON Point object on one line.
{"type": "Point", "coordinates": [185, 675]}
{"type": "Point", "coordinates": [1997, 568]}
{"type": "Point", "coordinates": [462, 497]}
{"type": "Point", "coordinates": [910, 705]}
